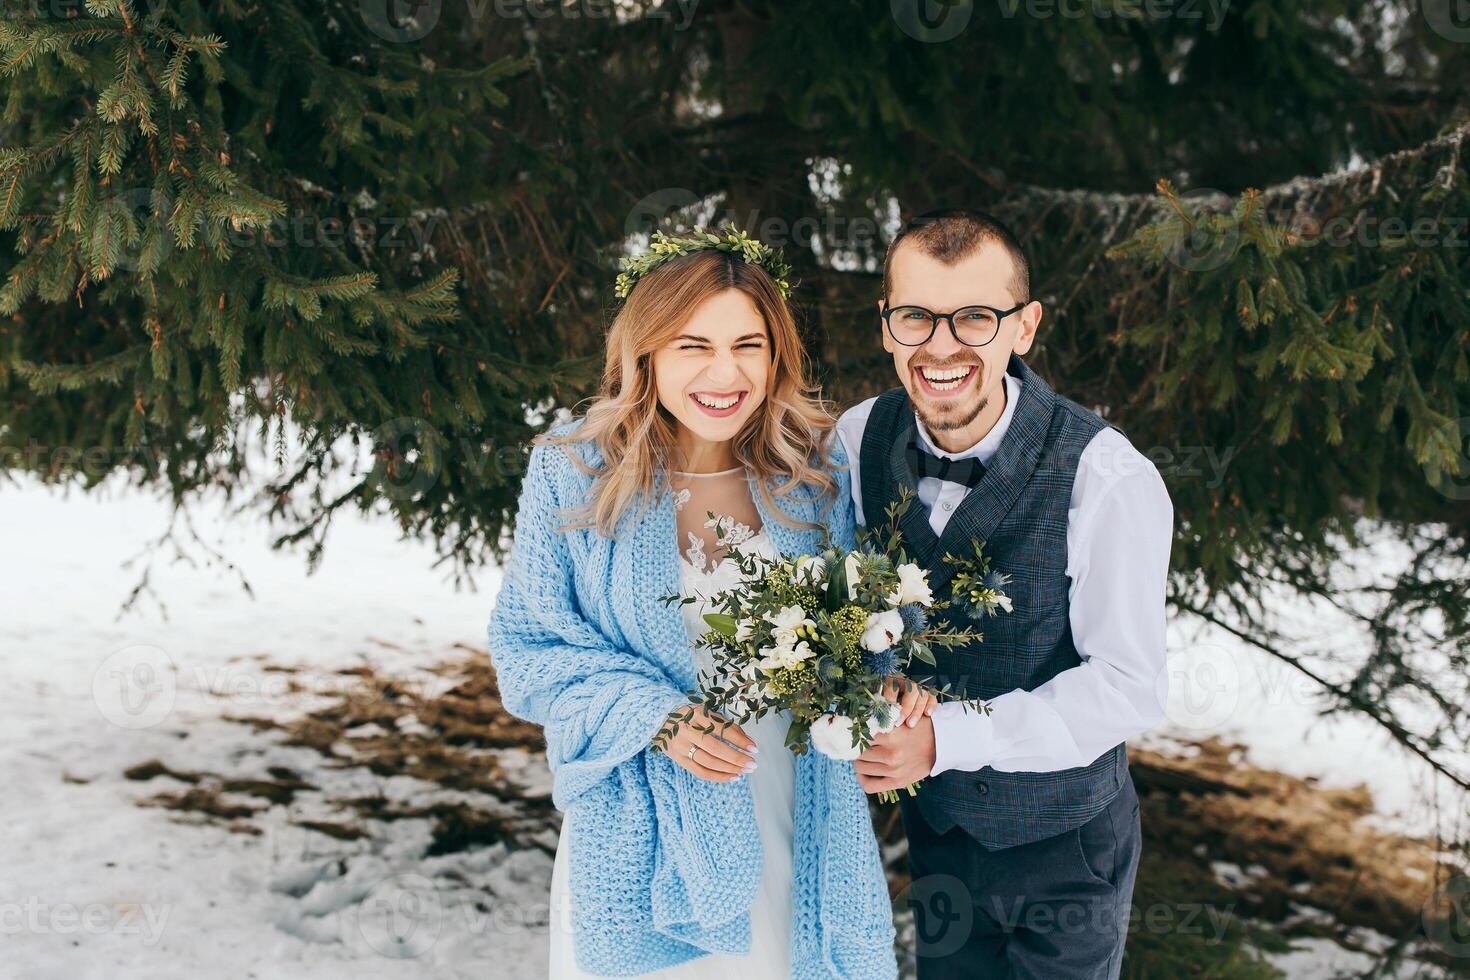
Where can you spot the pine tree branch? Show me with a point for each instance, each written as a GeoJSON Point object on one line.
{"type": "Point", "coordinates": [1347, 696]}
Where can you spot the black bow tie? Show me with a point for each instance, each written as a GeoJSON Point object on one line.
{"type": "Point", "coordinates": [966, 471]}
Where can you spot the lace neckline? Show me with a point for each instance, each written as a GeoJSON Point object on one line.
{"type": "Point", "coordinates": [693, 557]}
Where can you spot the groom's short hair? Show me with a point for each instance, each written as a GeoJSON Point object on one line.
{"type": "Point", "coordinates": [950, 234]}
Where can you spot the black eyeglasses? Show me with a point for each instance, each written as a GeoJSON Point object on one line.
{"type": "Point", "coordinates": [973, 326]}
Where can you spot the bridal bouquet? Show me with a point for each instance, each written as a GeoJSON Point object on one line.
{"type": "Point", "coordinates": [819, 636]}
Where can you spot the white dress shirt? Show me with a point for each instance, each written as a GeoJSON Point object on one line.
{"type": "Point", "coordinates": [1120, 525]}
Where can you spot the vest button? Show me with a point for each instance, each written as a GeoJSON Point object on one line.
{"type": "Point", "coordinates": [982, 787]}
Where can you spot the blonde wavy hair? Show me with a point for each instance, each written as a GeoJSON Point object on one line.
{"type": "Point", "coordinates": [786, 440]}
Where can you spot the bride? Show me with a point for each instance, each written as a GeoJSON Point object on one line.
{"type": "Point", "coordinates": [718, 853]}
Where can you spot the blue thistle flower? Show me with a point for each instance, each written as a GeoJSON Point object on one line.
{"type": "Point", "coordinates": [883, 663]}
{"type": "Point", "coordinates": [915, 620]}
{"type": "Point", "coordinates": [995, 580]}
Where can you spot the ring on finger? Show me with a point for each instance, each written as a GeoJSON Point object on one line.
{"type": "Point", "coordinates": [692, 750]}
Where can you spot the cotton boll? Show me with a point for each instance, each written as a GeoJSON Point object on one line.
{"type": "Point", "coordinates": [832, 736]}
{"type": "Point", "coordinates": [882, 630]}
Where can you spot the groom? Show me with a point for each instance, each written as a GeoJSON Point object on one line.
{"type": "Point", "coordinates": [1024, 837]}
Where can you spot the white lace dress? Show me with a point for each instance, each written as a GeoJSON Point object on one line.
{"type": "Point", "coordinates": [772, 786]}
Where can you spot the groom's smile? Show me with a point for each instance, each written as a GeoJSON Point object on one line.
{"type": "Point", "coordinates": [945, 380]}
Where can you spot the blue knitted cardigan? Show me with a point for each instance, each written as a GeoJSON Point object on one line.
{"type": "Point", "coordinates": [665, 866]}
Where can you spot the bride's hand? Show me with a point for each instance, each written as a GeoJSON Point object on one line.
{"type": "Point", "coordinates": [711, 758]}
{"type": "Point", "coordinates": [914, 699]}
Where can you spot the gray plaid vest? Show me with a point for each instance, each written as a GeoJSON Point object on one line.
{"type": "Point", "coordinates": [1019, 509]}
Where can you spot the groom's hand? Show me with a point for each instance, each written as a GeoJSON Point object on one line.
{"type": "Point", "coordinates": [898, 758]}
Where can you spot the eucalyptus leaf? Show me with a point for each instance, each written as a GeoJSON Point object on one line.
{"type": "Point", "coordinates": [721, 624]}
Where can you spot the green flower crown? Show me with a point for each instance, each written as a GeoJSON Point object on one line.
{"type": "Point", "coordinates": [667, 247]}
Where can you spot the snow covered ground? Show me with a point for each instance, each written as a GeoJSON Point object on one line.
{"type": "Point", "coordinates": [92, 885]}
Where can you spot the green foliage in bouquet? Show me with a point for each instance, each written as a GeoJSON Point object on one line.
{"type": "Point", "coordinates": [819, 636]}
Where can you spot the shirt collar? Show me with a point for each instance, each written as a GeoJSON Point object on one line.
{"type": "Point", "coordinates": [987, 446]}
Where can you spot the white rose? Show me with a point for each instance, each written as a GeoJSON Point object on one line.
{"type": "Point", "coordinates": [1003, 602]}
{"type": "Point", "coordinates": [913, 586]}
{"type": "Point", "coordinates": [882, 630]}
{"type": "Point", "coordinates": [743, 630]}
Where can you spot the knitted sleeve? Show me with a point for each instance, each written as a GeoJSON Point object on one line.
{"type": "Point", "coordinates": [598, 704]}
{"type": "Point", "coordinates": [840, 518]}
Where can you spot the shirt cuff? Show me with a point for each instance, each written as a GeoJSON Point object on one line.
{"type": "Point", "coordinates": [962, 737]}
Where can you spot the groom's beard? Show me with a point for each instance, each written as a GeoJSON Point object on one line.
{"type": "Point", "coordinates": [960, 416]}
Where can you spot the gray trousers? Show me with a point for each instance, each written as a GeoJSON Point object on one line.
{"type": "Point", "coordinates": [1056, 908]}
